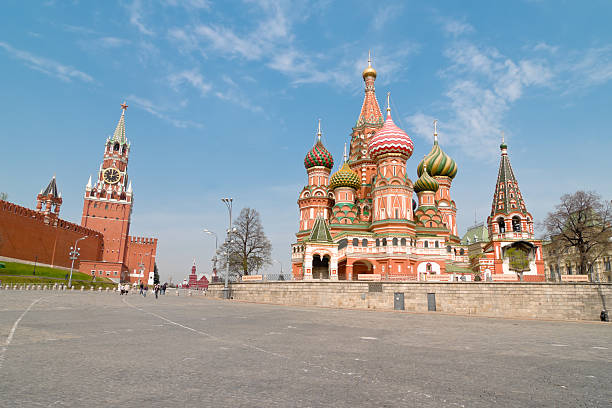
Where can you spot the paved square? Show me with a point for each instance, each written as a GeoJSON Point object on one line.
{"type": "Point", "coordinates": [98, 349]}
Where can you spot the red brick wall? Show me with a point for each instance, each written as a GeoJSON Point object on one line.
{"type": "Point", "coordinates": [112, 270]}
{"type": "Point", "coordinates": [112, 219]}
{"type": "Point", "coordinates": [143, 250]}
{"type": "Point", "coordinates": [25, 235]}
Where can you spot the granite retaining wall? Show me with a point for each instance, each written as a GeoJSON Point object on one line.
{"type": "Point", "coordinates": [560, 301]}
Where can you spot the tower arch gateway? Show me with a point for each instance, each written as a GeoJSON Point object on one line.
{"type": "Point", "coordinates": [107, 208]}
{"type": "Point", "coordinates": [369, 222]}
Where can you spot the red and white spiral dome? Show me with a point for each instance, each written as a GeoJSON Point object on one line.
{"type": "Point", "coordinates": [390, 139]}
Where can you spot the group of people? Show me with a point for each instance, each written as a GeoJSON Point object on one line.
{"type": "Point", "coordinates": [125, 289]}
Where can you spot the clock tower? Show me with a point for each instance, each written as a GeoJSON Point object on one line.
{"type": "Point", "coordinates": [108, 201]}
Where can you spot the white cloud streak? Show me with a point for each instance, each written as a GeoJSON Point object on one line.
{"type": "Point", "coordinates": [158, 112]}
{"type": "Point", "coordinates": [135, 11]}
{"type": "Point", "coordinates": [191, 77]}
{"type": "Point", "coordinates": [46, 65]}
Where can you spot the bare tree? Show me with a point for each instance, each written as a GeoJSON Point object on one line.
{"type": "Point", "coordinates": [249, 249]}
{"type": "Point", "coordinates": [3, 196]}
{"type": "Point", "coordinates": [580, 227]}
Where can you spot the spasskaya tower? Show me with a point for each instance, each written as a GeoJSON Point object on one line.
{"type": "Point", "coordinates": [107, 208]}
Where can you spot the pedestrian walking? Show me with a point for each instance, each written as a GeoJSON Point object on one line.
{"type": "Point", "coordinates": [141, 288]}
{"type": "Point", "coordinates": [156, 290]}
{"type": "Point", "coordinates": [146, 289]}
{"type": "Point", "coordinates": [164, 288]}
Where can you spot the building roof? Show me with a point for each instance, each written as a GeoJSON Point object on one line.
{"type": "Point", "coordinates": [320, 231]}
{"type": "Point", "coordinates": [438, 162]}
{"type": "Point", "coordinates": [476, 233]}
{"type": "Point", "coordinates": [390, 139]}
{"type": "Point", "coordinates": [119, 134]}
{"type": "Point", "coordinates": [51, 189]}
{"type": "Point", "coordinates": [508, 197]}
{"type": "Point", "coordinates": [318, 155]}
{"type": "Point", "coordinates": [370, 114]}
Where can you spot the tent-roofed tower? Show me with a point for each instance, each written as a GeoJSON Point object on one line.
{"type": "Point", "coordinates": [369, 121]}
{"type": "Point", "coordinates": [509, 217]}
{"type": "Point", "coordinates": [49, 202]}
{"type": "Point", "coordinates": [512, 246]}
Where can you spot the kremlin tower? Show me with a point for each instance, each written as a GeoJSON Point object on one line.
{"type": "Point", "coordinates": [362, 223]}
{"type": "Point", "coordinates": [107, 208]}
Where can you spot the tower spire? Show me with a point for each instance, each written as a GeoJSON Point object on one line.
{"type": "Point", "coordinates": [119, 134]}
{"type": "Point", "coordinates": [388, 103]}
{"type": "Point", "coordinates": [503, 146]}
{"type": "Point", "coordinates": [435, 123]}
{"type": "Point", "coordinates": [319, 132]}
{"type": "Point", "coordinates": [345, 157]}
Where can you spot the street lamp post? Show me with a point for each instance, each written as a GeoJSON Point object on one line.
{"type": "Point", "coordinates": [229, 203]}
{"type": "Point", "coordinates": [74, 254]}
{"type": "Point", "coordinates": [214, 258]}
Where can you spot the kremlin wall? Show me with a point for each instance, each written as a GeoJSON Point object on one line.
{"type": "Point", "coordinates": [28, 235]}
{"type": "Point", "coordinates": [108, 250]}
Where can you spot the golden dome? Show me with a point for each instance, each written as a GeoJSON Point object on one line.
{"type": "Point", "coordinates": [369, 71]}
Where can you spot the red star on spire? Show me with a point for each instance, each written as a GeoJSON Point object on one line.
{"type": "Point", "coordinates": [124, 106]}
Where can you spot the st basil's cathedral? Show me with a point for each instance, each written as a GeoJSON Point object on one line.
{"type": "Point", "coordinates": [364, 223]}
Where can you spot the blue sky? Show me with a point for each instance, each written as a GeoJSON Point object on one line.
{"type": "Point", "coordinates": [224, 100]}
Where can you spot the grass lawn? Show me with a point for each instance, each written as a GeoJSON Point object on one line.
{"type": "Point", "coordinates": [12, 280]}
{"type": "Point", "coordinates": [14, 272]}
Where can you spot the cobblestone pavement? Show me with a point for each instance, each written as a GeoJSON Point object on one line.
{"type": "Point", "coordinates": [101, 349]}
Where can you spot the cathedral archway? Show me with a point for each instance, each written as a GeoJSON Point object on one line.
{"type": "Point", "coordinates": [362, 267]}
{"type": "Point", "coordinates": [320, 266]}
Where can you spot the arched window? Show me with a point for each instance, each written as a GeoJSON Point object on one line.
{"type": "Point", "coordinates": [448, 249]}
{"type": "Point", "coordinates": [395, 242]}
{"type": "Point", "coordinates": [437, 244]}
{"type": "Point", "coordinates": [355, 242]}
{"type": "Point", "coordinates": [384, 241]}
{"type": "Point", "coordinates": [502, 225]}
{"type": "Point", "coordinates": [403, 242]}
{"type": "Point", "coordinates": [364, 242]}
{"type": "Point", "coordinates": [461, 251]}
{"type": "Point", "coordinates": [377, 242]}
{"type": "Point", "coordinates": [516, 224]}
{"type": "Point", "coordinates": [428, 267]}
{"type": "Point", "coordinates": [116, 147]}
{"type": "Point", "coordinates": [426, 244]}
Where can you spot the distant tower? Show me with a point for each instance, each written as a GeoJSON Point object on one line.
{"type": "Point", "coordinates": [108, 201]}
{"type": "Point", "coordinates": [49, 202]}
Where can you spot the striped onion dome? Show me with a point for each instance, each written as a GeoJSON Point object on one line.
{"type": "Point", "coordinates": [345, 177]}
{"type": "Point", "coordinates": [438, 163]}
{"type": "Point", "coordinates": [390, 139]}
{"type": "Point", "coordinates": [319, 156]}
{"type": "Point", "coordinates": [426, 183]}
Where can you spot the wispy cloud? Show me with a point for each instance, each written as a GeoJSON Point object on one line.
{"type": "Point", "coordinates": [135, 11]}
{"type": "Point", "coordinates": [159, 112]}
{"type": "Point", "coordinates": [455, 27]}
{"type": "Point", "coordinates": [385, 15]}
{"type": "Point", "coordinates": [482, 86]}
{"type": "Point", "coordinates": [46, 65]}
{"type": "Point", "coordinates": [191, 77]}
{"type": "Point", "coordinates": [591, 67]}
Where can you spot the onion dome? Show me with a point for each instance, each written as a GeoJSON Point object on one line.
{"type": "Point", "coordinates": [319, 155]}
{"type": "Point", "coordinates": [426, 182]}
{"type": "Point", "coordinates": [438, 162]}
{"type": "Point", "coordinates": [345, 177]}
{"type": "Point", "coordinates": [390, 139]}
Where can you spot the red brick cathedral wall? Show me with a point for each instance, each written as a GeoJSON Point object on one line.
{"type": "Point", "coordinates": [143, 250]}
{"type": "Point", "coordinates": [25, 235]}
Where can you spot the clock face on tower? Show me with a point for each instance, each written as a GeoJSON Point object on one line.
{"type": "Point", "coordinates": [111, 175]}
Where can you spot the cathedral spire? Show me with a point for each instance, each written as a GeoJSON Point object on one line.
{"type": "Point", "coordinates": [370, 114]}
{"type": "Point", "coordinates": [319, 132]}
{"type": "Point", "coordinates": [508, 198]}
{"type": "Point", "coordinates": [435, 123]}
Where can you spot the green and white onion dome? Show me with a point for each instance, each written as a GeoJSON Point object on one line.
{"type": "Point", "coordinates": [345, 177]}
{"type": "Point", "coordinates": [438, 163]}
{"type": "Point", "coordinates": [318, 156]}
{"type": "Point", "coordinates": [426, 183]}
